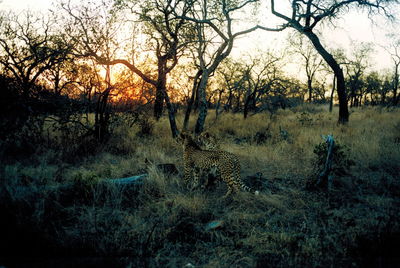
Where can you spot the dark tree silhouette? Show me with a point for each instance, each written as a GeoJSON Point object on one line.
{"type": "Point", "coordinates": [165, 39]}
{"type": "Point", "coordinates": [356, 67]}
{"type": "Point", "coordinates": [394, 50]}
{"type": "Point", "coordinates": [28, 48]}
{"type": "Point", "coordinates": [311, 60]}
{"type": "Point", "coordinates": [305, 15]}
{"type": "Point", "coordinates": [214, 28]}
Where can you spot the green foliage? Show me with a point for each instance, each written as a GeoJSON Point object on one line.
{"type": "Point", "coordinates": [342, 161]}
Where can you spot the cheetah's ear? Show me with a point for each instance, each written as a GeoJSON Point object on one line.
{"type": "Point", "coordinates": [206, 134]}
{"type": "Point", "coordinates": [182, 135]}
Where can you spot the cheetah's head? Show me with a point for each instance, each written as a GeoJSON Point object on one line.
{"type": "Point", "coordinates": [185, 139]}
{"type": "Point", "coordinates": [207, 141]}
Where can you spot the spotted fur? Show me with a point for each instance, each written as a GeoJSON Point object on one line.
{"type": "Point", "coordinates": [198, 162]}
{"type": "Point", "coordinates": [208, 141]}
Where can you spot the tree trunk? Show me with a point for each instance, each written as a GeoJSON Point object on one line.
{"type": "Point", "coordinates": [396, 85]}
{"type": "Point", "coordinates": [161, 86]}
{"type": "Point", "coordinates": [218, 103]}
{"type": "Point", "coordinates": [332, 92]}
{"type": "Point", "coordinates": [309, 86]}
{"type": "Point", "coordinates": [247, 104]}
{"type": "Point", "coordinates": [158, 104]}
{"type": "Point", "coordinates": [228, 105]}
{"type": "Point", "coordinates": [191, 100]}
{"type": "Point", "coordinates": [171, 115]}
{"type": "Point", "coordinates": [102, 116]}
{"type": "Point", "coordinates": [238, 97]}
{"type": "Point", "coordinates": [202, 102]}
{"type": "Point", "coordinates": [341, 86]}
{"type": "Point", "coordinates": [351, 97]}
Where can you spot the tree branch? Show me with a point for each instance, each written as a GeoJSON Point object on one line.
{"type": "Point", "coordinates": [131, 66]}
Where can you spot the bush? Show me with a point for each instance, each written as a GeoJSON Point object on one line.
{"type": "Point", "coordinates": [341, 162]}
{"type": "Point", "coordinates": [305, 119]}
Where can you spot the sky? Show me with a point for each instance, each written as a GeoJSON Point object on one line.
{"type": "Point", "coordinates": [24, 4]}
{"type": "Point", "coordinates": [354, 28]}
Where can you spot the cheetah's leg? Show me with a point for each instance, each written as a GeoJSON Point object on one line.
{"type": "Point", "coordinates": [196, 175]}
{"type": "Point", "coordinates": [188, 173]}
{"type": "Point", "coordinates": [204, 176]}
{"type": "Point", "coordinates": [232, 187]}
{"type": "Point", "coordinates": [228, 193]}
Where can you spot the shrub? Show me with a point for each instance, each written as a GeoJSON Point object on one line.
{"type": "Point", "coordinates": [305, 119]}
{"type": "Point", "coordinates": [341, 162]}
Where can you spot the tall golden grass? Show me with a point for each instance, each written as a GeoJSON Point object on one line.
{"type": "Point", "coordinates": [163, 224]}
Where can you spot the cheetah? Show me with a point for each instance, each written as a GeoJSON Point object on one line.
{"type": "Point", "coordinates": [197, 161]}
{"type": "Point", "coordinates": [208, 142]}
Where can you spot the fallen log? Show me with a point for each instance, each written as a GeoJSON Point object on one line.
{"type": "Point", "coordinates": [134, 180]}
{"type": "Point", "coordinates": [23, 192]}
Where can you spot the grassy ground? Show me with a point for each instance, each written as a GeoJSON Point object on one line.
{"type": "Point", "coordinates": [162, 224]}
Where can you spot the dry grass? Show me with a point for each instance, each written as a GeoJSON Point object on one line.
{"type": "Point", "coordinates": [163, 224]}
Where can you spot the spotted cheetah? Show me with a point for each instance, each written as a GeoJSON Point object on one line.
{"type": "Point", "coordinates": [208, 141]}
{"type": "Point", "coordinates": [197, 161]}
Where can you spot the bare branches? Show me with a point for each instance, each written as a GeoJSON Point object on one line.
{"type": "Point", "coordinates": [29, 48]}
{"type": "Point", "coordinates": [306, 14]}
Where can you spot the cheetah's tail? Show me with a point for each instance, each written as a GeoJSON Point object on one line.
{"type": "Point", "coordinates": [248, 189]}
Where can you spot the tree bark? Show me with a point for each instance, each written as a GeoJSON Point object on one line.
{"type": "Point", "coordinates": [218, 103]}
{"type": "Point", "coordinates": [202, 102]}
{"type": "Point", "coordinates": [341, 86]}
{"type": "Point", "coordinates": [309, 86]}
{"type": "Point", "coordinates": [396, 84]}
{"type": "Point", "coordinates": [159, 102]}
{"type": "Point", "coordinates": [248, 104]}
{"type": "Point", "coordinates": [160, 88]}
{"type": "Point", "coordinates": [191, 100]}
{"type": "Point", "coordinates": [171, 115]}
{"type": "Point", "coordinates": [332, 92]}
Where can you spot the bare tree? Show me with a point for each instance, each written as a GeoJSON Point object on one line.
{"type": "Point", "coordinates": [373, 86]}
{"type": "Point", "coordinates": [356, 66]}
{"type": "Point", "coordinates": [305, 15]}
{"type": "Point", "coordinates": [213, 23]}
{"type": "Point", "coordinates": [29, 47]}
{"type": "Point", "coordinates": [340, 57]}
{"type": "Point", "coordinates": [394, 50]}
{"type": "Point", "coordinates": [311, 60]}
{"type": "Point", "coordinates": [261, 75]}
{"type": "Point", "coordinates": [386, 87]}
{"type": "Point", "coordinates": [162, 31]}
{"type": "Point", "coordinates": [256, 83]}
